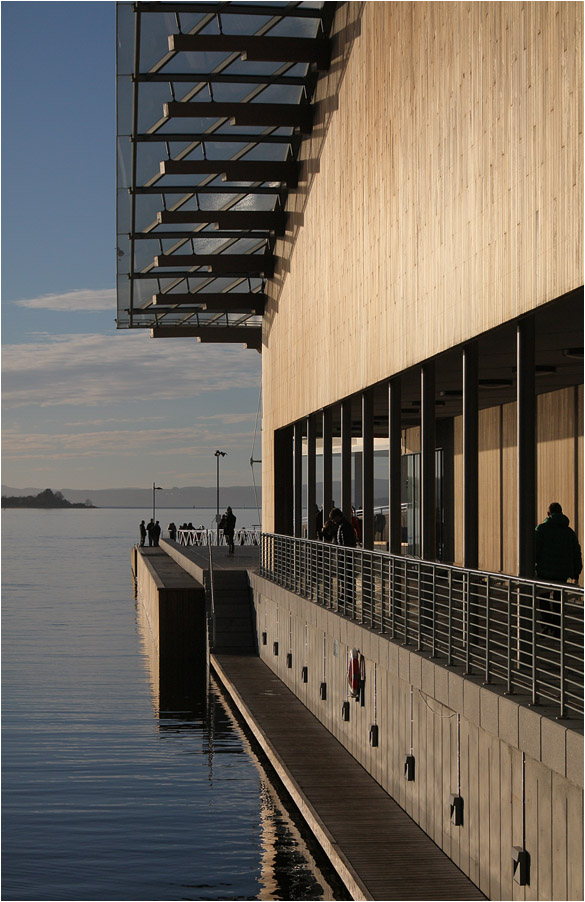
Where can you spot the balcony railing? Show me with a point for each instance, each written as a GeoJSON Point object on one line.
{"type": "Point", "coordinates": [522, 635]}
{"type": "Point", "coordinates": [210, 537]}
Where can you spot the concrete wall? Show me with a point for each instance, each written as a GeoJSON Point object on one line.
{"type": "Point", "coordinates": [494, 738]}
{"type": "Point", "coordinates": [175, 613]}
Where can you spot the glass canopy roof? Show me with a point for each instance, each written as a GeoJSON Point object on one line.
{"type": "Point", "coordinates": [213, 100]}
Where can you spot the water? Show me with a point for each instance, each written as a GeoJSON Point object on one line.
{"type": "Point", "coordinates": [107, 794]}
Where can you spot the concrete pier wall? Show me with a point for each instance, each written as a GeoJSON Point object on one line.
{"type": "Point", "coordinates": [519, 773]}
{"type": "Point", "coordinates": [174, 604]}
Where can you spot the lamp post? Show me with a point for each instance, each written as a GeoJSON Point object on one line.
{"type": "Point", "coordinates": [218, 454]}
{"type": "Point", "coordinates": [155, 488]}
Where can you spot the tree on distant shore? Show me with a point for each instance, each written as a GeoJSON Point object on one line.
{"type": "Point", "coordinates": [46, 498]}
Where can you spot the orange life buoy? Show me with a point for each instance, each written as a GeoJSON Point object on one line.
{"type": "Point", "coordinates": [353, 673]}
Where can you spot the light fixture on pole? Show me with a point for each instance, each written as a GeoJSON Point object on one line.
{"type": "Point", "coordinates": [218, 454]}
{"type": "Point", "coordinates": [155, 488]}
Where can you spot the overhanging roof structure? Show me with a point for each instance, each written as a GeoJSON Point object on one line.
{"type": "Point", "coordinates": [213, 100]}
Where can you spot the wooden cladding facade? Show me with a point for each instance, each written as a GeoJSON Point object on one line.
{"type": "Point", "coordinates": [440, 196]}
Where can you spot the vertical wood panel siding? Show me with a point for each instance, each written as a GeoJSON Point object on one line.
{"type": "Point", "coordinates": [448, 197]}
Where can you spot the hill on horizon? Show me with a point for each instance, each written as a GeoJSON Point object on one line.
{"type": "Point", "coordinates": [177, 497]}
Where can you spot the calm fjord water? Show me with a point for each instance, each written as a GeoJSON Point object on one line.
{"type": "Point", "coordinates": [104, 796]}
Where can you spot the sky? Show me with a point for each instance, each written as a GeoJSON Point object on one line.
{"type": "Point", "coordinates": [85, 405]}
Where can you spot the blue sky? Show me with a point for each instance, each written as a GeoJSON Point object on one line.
{"type": "Point", "coordinates": [85, 405]}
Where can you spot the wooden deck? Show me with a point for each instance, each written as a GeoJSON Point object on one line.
{"type": "Point", "coordinates": [378, 851]}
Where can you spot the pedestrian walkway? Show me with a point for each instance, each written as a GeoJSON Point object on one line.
{"type": "Point", "coordinates": [378, 851]}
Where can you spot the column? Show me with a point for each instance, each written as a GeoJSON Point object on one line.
{"type": "Point", "coordinates": [395, 466]}
{"type": "Point", "coordinates": [298, 494]}
{"type": "Point", "coordinates": [428, 529]}
{"type": "Point", "coordinates": [283, 481]}
{"type": "Point", "coordinates": [470, 456]}
{"type": "Point", "coordinates": [311, 476]}
{"type": "Point", "coordinates": [526, 420]}
{"type": "Point", "coordinates": [368, 468]}
{"type": "Point", "coordinates": [327, 463]}
{"type": "Point", "coordinates": [345, 503]}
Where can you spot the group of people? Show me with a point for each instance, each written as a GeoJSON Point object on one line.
{"type": "Point", "coordinates": [152, 530]}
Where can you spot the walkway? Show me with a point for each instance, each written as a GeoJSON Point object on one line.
{"type": "Point", "coordinates": [379, 852]}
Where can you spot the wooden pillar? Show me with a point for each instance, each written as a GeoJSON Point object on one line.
{"type": "Point", "coordinates": [395, 466]}
{"type": "Point", "coordinates": [470, 457]}
{"type": "Point", "coordinates": [526, 421]}
{"type": "Point", "coordinates": [368, 468]}
{"type": "Point", "coordinates": [346, 458]}
{"type": "Point", "coordinates": [283, 481]}
{"type": "Point", "coordinates": [311, 476]}
{"type": "Point", "coordinates": [327, 463]}
{"type": "Point", "coordinates": [298, 494]}
{"type": "Point", "coordinates": [428, 529]}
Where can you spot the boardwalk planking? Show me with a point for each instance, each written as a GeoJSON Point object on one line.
{"type": "Point", "coordinates": [379, 852]}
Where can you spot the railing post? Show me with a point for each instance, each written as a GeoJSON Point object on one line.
{"type": "Point", "coordinates": [562, 654]}
{"type": "Point", "coordinates": [434, 614]}
{"type": "Point", "coordinates": [405, 603]}
{"type": "Point", "coordinates": [487, 679]}
{"type": "Point", "coordinates": [420, 607]}
{"type": "Point", "coordinates": [450, 621]}
{"type": "Point", "coordinates": [509, 638]}
{"type": "Point", "coordinates": [533, 642]}
{"type": "Point", "coordinates": [467, 621]}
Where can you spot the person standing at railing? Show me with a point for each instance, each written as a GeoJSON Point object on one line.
{"type": "Point", "coordinates": [228, 524]}
{"type": "Point", "coordinates": [558, 559]}
{"type": "Point", "coordinates": [346, 537]}
{"type": "Point", "coordinates": [142, 529]}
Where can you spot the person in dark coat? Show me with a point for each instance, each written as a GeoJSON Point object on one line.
{"type": "Point", "coordinates": [172, 530]}
{"type": "Point", "coordinates": [142, 529]}
{"type": "Point", "coordinates": [346, 537]}
{"type": "Point", "coordinates": [345, 534]}
{"type": "Point", "coordinates": [156, 530]}
{"type": "Point", "coordinates": [558, 559]}
{"type": "Point", "coordinates": [150, 531]}
{"type": "Point", "coordinates": [229, 525]}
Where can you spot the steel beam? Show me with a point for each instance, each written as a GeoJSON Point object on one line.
{"type": "Point", "coordinates": [239, 302]}
{"type": "Point", "coordinates": [236, 170]}
{"type": "Point", "coordinates": [264, 48]}
{"type": "Point", "coordinates": [278, 115]}
{"type": "Point", "coordinates": [249, 335]}
{"type": "Point", "coordinates": [227, 219]}
{"type": "Point", "coordinates": [221, 263]}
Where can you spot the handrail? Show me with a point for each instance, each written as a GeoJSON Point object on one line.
{"type": "Point", "coordinates": [525, 635]}
{"type": "Point", "coordinates": [242, 536]}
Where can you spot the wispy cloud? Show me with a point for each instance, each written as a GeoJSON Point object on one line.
{"type": "Point", "coordinates": [92, 369]}
{"type": "Point", "coordinates": [85, 299]}
{"type": "Point", "coordinates": [158, 442]}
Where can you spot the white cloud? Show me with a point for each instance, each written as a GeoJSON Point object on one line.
{"type": "Point", "coordinates": [86, 299]}
{"type": "Point", "coordinates": [93, 369]}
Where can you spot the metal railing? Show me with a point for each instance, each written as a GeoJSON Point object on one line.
{"type": "Point", "coordinates": [209, 536]}
{"type": "Point", "coordinates": [524, 635]}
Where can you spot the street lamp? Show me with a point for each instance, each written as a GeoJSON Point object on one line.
{"type": "Point", "coordinates": [155, 488]}
{"type": "Point", "coordinates": [218, 454]}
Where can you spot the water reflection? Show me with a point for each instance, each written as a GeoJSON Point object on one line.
{"type": "Point", "coordinates": [292, 865]}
